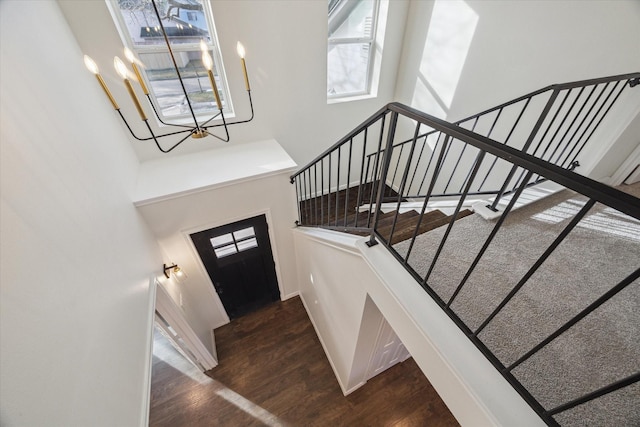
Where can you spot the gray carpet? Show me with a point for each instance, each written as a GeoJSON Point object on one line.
{"type": "Point", "coordinates": [602, 348]}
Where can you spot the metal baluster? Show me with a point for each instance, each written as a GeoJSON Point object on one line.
{"type": "Point", "coordinates": [346, 199]}
{"type": "Point", "coordinates": [306, 207]}
{"type": "Point", "coordinates": [584, 313]}
{"type": "Point", "coordinates": [576, 219]}
{"type": "Point", "coordinates": [415, 170]}
{"type": "Point", "coordinates": [532, 135]}
{"type": "Point", "coordinates": [596, 126]}
{"type": "Point", "coordinates": [335, 220]}
{"type": "Point", "coordinates": [568, 144]}
{"type": "Point", "coordinates": [396, 170]}
{"type": "Point", "coordinates": [296, 184]}
{"type": "Point", "coordinates": [322, 191]}
{"type": "Point", "coordinates": [311, 213]}
{"type": "Point", "coordinates": [315, 193]}
{"type": "Point", "coordinates": [432, 183]}
{"type": "Point", "coordinates": [404, 181]}
{"type": "Point", "coordinates": [454, 217]}
{"type": "Point", "coordinates": [489, 239]}
{"type": "Point", "coordinates": [383, 173]}
{"type": "Point", "coordinates": [473, 129]}
{"type": "Point", "coordinates": [426, 171]}
{"type": "Point", "coordinates": [631, 379]}
{"type": "Point", "coordinates": [329, 193]}
{"type": "Point", "coordinates": [555, 116]}
{"type": "Point", "coordinates": [375, 171]}
{"type": "Point", "coordinates": [573, 122]}
{"type": "Point", "coordinates": [359, 199]}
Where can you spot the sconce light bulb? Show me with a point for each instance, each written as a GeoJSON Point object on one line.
{"type": "Point", "coordinates": [240, 50]}
{"type": "Point", "coordinates": [178, 271]}
{"type": "Point", "coordinates": [203, 46]}
{"type": "Point", "coordinates": [207, 61]}
{"type": "Point", "coordinates": [120, 67]}
{"type": "Point", "coordinates": [90, 64]}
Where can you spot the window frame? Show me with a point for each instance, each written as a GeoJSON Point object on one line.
{"type": "Point", "coordinates": [214, 49]}
{"type": "Point", "coordinates": [371, 42]}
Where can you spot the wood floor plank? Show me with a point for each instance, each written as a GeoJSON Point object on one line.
{"type": "Point", "coordinates": [273, 372]}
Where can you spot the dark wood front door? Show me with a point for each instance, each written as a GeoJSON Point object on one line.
{"type": "Point", "coordinates": [239, 262]}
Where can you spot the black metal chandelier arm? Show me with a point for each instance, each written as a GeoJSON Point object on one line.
{"type": "Point", "coordinates": [225, 124]}
{"type": "Point", "coordinates": [226, 130]}
{"type": "Point", "coordinates": [213, 117]}
{"type": "Point", "coordinates": [175, 63]}
{"type": "Point", "coordinates": [160, 119]}
{"type": "Point", "coordinates": [153, 136]}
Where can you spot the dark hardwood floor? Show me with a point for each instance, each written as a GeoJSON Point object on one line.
{"type": "Point", "coordinates": [273, 372]}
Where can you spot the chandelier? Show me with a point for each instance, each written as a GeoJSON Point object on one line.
{"type": "Point", "coordinates": [195, 129]}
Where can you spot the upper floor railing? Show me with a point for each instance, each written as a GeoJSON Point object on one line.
{"type": "Point", "coordinates": [402, 155]}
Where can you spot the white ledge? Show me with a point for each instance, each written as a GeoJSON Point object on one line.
{"type": "Point", "coordinates": [177, 176]}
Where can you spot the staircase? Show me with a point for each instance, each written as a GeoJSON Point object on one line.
{"type": "Point", "coordinates": [401, 155]}
{"type": "Point", "coordinates": [396, 227]}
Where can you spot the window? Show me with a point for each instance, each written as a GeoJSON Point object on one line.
{"type": "Point", "coordinates": [232, 243]}
{"type": "Point", "coordinates": [351, 43]}
{"type": "Point", "coordinates": [187, 23]}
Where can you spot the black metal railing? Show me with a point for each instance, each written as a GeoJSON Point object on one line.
{"type": "Point", "coordinates": [345, 187]}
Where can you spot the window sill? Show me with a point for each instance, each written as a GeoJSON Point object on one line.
{"type": "Point", "coordinates": [340, 100]}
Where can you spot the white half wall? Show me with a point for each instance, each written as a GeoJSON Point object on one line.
{"type": "Point", "coordinates": [339, 273]}
{"type": "Point", "coordinates": [76, 258]}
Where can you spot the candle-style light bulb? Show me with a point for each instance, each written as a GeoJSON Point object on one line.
{"type": "Point", "coordinates": [207, 61]}
{"type": "Point", "coordinates": [122, 71]}
{"type": "Point", "coordinates": [240, 50]}
{"type": "Point", "coordinates": [93, 67]}
{"type": "Point", "coordinates": [241, 53]}
{"type": "Point", "coordinates": [131, 58]}
{"type": "Point", "coordinates": [129, 55]}
{"type": "Point", "coordinates": [203, 46]}
{"type": "Point", "coordinates": [91, 64]}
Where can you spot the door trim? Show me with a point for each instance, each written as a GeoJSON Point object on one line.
{"type": "Point", "coordinates": [186, 235]}
{"type": "Point", "coordinates": [174, 317]}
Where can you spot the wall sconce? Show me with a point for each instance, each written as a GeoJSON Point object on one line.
{"type": "Point", "coordinates": [172, 268]}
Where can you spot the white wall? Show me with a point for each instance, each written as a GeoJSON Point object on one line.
{"type": "Point", "coordinates": [286, 44]}
{"type": "Point", "coordinates": [173, 218]}
{"type": "Point", "coordinates": [76, 257]}
{"type": "Point", "coordinates": [462, 57]}
{"type": "Point", "coordinates": [500, 50]}
{"type": "Point", "coordinates": [331, 279]}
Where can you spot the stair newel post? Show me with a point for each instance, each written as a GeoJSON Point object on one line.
{"type": "Point", "coordinates": [525, 147]}
{"type": "Point", "coordinates": [386, 161]}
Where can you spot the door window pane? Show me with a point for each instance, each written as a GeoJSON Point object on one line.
{"type": "Point", "coordinates": [243, 245]}
{"type": "Point", "coordinates": [221, 240]}
{"type": "Point", "coordinates": [226, 250]}
{"type": "Point", "coordinates": [245, 232]}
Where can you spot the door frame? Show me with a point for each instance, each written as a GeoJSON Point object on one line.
{"type": "Point", "coordinates": [186, 235]}
{"type": "Point", "coordinates": [171, 313]}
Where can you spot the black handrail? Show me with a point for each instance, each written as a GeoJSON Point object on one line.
{"type": "Point", "coordinates": [612, 197]}
{"type": "Point", "coordinates": [376, 184]}
{"type": "Point", "coordinates": [633, 78]}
